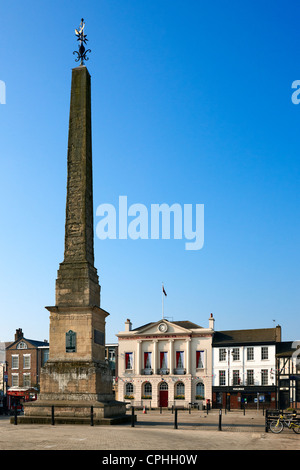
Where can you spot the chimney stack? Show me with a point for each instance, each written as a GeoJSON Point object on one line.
{"type": "Point", "coordinates": [278, 334]}
{"type": "Point", "coordinates": [128, 325]}
{"type": "Point", "coordinates": [18, 334]}
{"type": "Point", "coordinates": [211, 322]}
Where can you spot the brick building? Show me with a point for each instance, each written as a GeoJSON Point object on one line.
{"type": "Point", "coordinates": [24, 359]}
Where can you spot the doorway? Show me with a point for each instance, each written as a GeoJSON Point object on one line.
{"type": "Point", "coordinates": [163, 395]}
{"type": "Point", "coordinates": [284, 399]}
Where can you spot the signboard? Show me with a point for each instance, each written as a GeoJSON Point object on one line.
{"type": "Point", "coordinates": [70, 341]}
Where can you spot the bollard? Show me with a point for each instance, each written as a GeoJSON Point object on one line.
{"type": "Point", "coordinates": [220, 420]}
{"type": "Point", "coordinates": [266, 421]}
{"type": "Point", "coordinates": [52, 415]}
{"type": "Point", "coordinates": [132, 416]}
{"type": "Point", "coordinates": [16, 415]}
{"type": "Point", "coordinates": [175, 420]}
{"type": "Point", "coordinates": [190, 409]}
{"type": "Point", "coordinates": [160, 410]}
{"type": "Point", "coordinates": [92, 416]}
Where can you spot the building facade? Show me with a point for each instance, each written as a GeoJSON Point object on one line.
{"type": "Point", "coordinates": [288, 374]}
{"type": "Point", "coordinates": [165, 363]}
{"type": "Point", "coordinates": [244, 368]}
{"type": "Point", "coordinates": [24, 360]}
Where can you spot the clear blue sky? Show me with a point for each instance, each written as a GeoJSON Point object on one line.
{"type": "Point", "coordinates": [191, 103]}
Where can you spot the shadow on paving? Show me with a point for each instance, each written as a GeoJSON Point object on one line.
{"type": "Point", "coordinates": [224, 427]}
{"type": "Point", "coordinates": [228, 423]}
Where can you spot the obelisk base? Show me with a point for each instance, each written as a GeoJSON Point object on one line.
{"type": "Point", "coordinates": [75, 392]}
{"type": "Point", "coordinates": [73, 412]}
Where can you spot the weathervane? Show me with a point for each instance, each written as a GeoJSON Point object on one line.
{"type": "Point", "coordinates": [81, 37]}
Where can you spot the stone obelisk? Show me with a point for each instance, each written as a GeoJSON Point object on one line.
{"type": "Point", "coordinates": [76, 377]}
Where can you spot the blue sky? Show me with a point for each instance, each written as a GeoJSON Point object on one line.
{"type": "Point", "coordinates": [191, 104]}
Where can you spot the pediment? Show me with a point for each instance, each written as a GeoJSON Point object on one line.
{"type": "Point", "coordinates": [162, 327]}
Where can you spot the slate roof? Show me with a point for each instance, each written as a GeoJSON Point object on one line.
{"type": "Point", "coordinates": [263, 335]}
{"type": "Point", "coordinates": [186, 324]}
{"type": "Point", "coordinates": [33, 342]}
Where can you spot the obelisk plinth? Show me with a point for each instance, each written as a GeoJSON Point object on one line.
{"type": "Point", "coordinates": [77, 378]}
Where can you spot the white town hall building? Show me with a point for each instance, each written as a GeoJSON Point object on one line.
{"type": "Point", "coordinates": [165, 363]}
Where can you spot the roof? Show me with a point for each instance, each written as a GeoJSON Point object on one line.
{"type": "Point", "coordinates": [286, 348]}
{"type": "Point", "coordinates": [263, 335]}
{"type": "Point", "coordinates": [183, 324]}
{"type": "Point", "coordinates": [33, 342]}
{"type": "Point", "coordinates": [186, 324]}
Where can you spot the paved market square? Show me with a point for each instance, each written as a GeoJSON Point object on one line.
{"type": "Point", "coordinates": [153, 431]}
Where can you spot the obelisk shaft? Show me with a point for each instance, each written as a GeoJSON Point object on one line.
{"type": "Point", "coordinates": [77, 281]}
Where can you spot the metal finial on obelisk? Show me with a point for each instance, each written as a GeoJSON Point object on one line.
{"type": "Point", "coordinates": [81, 37]}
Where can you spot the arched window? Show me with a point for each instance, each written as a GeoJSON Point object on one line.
{"type": "Point", "coordinates": [147, 390]}
{"type": "Point", "coordinates": [163, 386]}
{"type": "Point", "coordinates": [200, 391]}
{"type": "Point", "coordinates": [179, 391]}
{"type": "Point", "coordinates": [128, 390]}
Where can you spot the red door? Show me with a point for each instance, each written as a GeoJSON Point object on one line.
{"type": "Point", "coordinates": [163, 398]}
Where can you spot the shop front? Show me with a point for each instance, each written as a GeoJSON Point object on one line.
{"type": "Point", "coordinates": [244, 397]}
{"type": "Point", "coordinates": [16, 396]}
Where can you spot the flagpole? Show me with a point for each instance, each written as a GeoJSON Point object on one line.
{"type": "Point", "coordinates": [162, 295]}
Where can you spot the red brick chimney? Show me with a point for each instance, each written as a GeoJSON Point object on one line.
{"type": "Point", "coordinates": [18, 334]}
